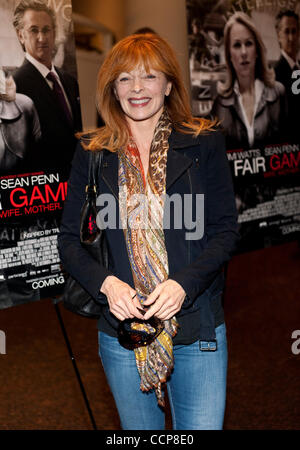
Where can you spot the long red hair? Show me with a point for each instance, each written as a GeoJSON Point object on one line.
{"type": "Point", "coordinates": [152, 52]}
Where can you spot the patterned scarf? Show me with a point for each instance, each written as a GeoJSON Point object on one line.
{"type": "Point", "coordinates": [141, 211]}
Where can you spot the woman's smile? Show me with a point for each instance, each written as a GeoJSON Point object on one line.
{"type": "Point", "coordinates": [139, 102]}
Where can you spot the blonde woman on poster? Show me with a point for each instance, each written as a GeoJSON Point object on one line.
{"type": "Point", "coordinates": [251, 104]}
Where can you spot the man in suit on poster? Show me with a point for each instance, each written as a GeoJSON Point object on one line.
{"type": "Point", "coordinates": [287, 26]}
{"type": "Point", "coordinates": [54, 92]}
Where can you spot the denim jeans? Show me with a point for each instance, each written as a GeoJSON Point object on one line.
{"type": "Point", "coordinates": [196, 387]}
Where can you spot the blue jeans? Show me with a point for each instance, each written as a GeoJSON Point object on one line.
{"type": "Point", "coordinates": [196, 387]}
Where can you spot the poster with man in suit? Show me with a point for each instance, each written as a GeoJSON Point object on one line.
{"type": "Point", "coordinates": [40, 115]}
{"type": "Point", "coordinates": [54, 92]}
{"type": "Point", "coordinates": [287, 27]}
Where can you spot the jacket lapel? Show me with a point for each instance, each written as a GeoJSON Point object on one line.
{"type": "Point", "coordinates": [39, 84]}
{"type": "Point", "coordinates": [177, 162]}
{"type": "Point", "coordinates": [232, 102]}
{"type": "Point", "coordinates": [268, 96]}
{"type": "Point", "coordinates": [71, 97]}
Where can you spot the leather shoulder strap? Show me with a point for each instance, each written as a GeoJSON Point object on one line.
{"type": "Point", "coordinates": [95, 162]}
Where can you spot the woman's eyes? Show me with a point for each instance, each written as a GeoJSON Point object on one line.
{"type": "Point", "coordinates": [123, 79]}
{"type": "Point", "coordinates": [127, 79]}
{"type": "Point", "coordinates": [239, 44]}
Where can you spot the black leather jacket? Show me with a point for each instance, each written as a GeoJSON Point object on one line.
{"type": "Point", "coordinates": [19, 133]}
{"type": "Point", "coordinates": [194, 166]}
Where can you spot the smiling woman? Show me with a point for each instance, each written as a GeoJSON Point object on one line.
{"type": "Point", "coordinates": [157, 319]}
{"type": "Point", "coordinates": [141, 94]}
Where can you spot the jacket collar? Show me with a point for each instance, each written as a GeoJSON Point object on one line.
{"type": "Point", "coordinates": [269, 95]}
{"type": "Point", "coordinates": [179, 140]}
{"type": "Point", "coordinates": [177, 161]}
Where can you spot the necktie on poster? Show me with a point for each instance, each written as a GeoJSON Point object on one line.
{"type": "Point", "coordinates": [60, 96]}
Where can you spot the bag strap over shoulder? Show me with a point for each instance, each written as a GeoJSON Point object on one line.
{"type": "Point", "coordinates": [95, 161]}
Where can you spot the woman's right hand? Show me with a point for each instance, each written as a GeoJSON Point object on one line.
{"type": "Point", "coordinates": [122, 299]}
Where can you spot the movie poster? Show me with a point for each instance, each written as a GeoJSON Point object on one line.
{"type": "Point", "coordinates": [39, 116]}
{"type": "Point", "coordinates": [245, 70]}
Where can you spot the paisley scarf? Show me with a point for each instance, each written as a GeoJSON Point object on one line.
{"type": "Point", "coordinates": [141, 210]}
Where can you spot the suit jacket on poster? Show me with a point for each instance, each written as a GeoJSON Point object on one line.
{"type": "Point", "coordinates": [58, 137]}
{"type": "Point", "coordinates": [269, 121]}
{"type": "Point", "coordinates": [194, 165]}
{"type": "Point", "coordinates": [284, 73]}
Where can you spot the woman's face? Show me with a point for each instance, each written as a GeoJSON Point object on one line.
{"type": "Point", "coordinates": [242, 48]}
{"type": "Point", "coordinates": [142, 94]}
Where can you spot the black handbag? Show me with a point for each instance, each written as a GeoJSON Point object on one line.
{"type": "Point", "coordinates": [75, 298]}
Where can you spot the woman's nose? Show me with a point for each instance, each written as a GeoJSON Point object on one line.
{"type": "Point", "coordinates": [137, 84]}
{"type": "Point", "coordinates": [243, 49]}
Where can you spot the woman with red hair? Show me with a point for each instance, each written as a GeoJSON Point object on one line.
{"type": "Point", "coordinates": [160, 272]}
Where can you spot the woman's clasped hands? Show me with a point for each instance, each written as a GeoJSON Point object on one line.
{"type": "Point", "coordinates": [164, 302]}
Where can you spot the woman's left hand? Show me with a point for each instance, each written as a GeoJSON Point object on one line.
{"type": "Point", "coordinates": [166, 300]}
